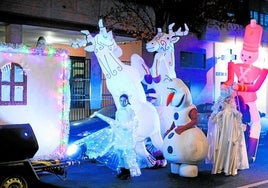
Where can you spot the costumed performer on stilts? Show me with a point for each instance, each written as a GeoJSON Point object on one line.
{"type": "Point", "coordinates": [249, 80]}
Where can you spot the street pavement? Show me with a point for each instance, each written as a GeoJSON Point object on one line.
{"type": "Point", "coordinates": [90, 174]}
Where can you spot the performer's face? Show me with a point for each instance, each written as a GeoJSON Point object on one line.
{"type": "Point", "coordinates": [123, 101]}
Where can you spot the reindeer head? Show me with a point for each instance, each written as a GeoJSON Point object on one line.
{"type": "Point", "coordinates": [100, 41]}
{"type": "Point", "coordinates": [163, 42]}
{"type": "Point", "coordinates": [105, 39]}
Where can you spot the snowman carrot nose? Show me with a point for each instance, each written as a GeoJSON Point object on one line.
{"type": "Point", "coordinates": [169, 98]}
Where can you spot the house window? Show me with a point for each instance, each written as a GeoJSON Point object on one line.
{"type": "Point", "coordinates": [79, 82]}
{"type": "Point", "coordinates": [261, 18]}
{"type": "Point", "coordinates": [13, 85]}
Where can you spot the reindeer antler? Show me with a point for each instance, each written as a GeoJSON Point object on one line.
{"type": "Point", "coordinates": [170, 26]}
{"type": "Point", "coordinates": [159, 30]}
{"type": "Point", "coordinates": [182, 33]}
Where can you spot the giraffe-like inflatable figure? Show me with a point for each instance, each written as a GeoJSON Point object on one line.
{"type": "Point", "coordinates": [122, 78]}
{"type": "Point", "coordinates": [163, 66]}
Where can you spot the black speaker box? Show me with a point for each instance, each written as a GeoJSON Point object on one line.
{"type": "Point", "coordinates": [17, 142]}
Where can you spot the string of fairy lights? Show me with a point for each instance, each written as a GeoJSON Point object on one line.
{"type": "Point", "coordinates": [62, 94]}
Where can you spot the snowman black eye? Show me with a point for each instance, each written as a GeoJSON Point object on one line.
{"type": "Point", "coordinates": [172, 90]}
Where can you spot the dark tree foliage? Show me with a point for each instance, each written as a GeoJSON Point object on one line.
{"type": "Point", "coordinates": [195, 13]}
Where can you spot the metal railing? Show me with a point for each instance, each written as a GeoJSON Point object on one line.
{"type": "Point", "coordinates": [80, 90]}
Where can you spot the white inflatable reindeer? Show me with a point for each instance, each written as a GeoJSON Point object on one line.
{"type": "Point", "coordinates": [163, 66]}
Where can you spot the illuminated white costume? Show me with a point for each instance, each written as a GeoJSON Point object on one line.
{"type": "Point", "coordinates": [115, 146]}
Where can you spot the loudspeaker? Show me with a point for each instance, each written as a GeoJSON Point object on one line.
{"type": "Point", "coordinates": [17, 142]}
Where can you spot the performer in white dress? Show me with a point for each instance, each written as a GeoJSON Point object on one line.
{"type": "Point", "coordinates": [118, 149]}
{"type": "Point", "coordinates": [227, 148]}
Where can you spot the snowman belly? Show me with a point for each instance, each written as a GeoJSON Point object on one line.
{"type": "Point", "coordinates": [190, 147]}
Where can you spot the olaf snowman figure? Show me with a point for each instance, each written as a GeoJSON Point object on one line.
{"type": "Point", "coordinates": [185, 145]}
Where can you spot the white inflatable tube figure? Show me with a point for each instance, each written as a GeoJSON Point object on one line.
{"type": "Point", "coordinates": [122, 78]}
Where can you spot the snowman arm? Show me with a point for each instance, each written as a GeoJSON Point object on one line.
{"type": "Point", "coordinates": [170, 129]}
{"type": "Point", "coordinates": [193, 116]}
